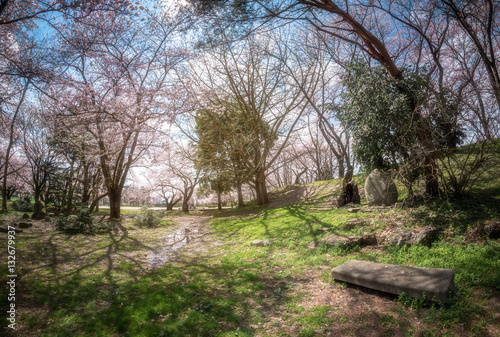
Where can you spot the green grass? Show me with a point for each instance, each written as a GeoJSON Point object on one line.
{"type": "Point", "coordinates": [229, 293]}
{"type": "Point", "coordinates": [103, 285]}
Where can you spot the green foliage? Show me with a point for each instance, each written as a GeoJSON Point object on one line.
{"type": "Point", "coordinates": [148, 219]}
{"type": "Point", "coordinates": [473, 265]}
{"type": "Point", "coordinates": [443, 119]}
{"type": "Point", "coordinates": [379, 111]}
{"type": "Point", "coordinates": [461, 168]}
{"type": "Point", "coordinates": [225, 137]}
{"type": "Point", "coordinates": [403, 124]}
{"type": "Point", "coordinates": [411, 302]}
{"type": "Point", "coordinates": [23, 205]}
{"type": "Point", "coordinates": [83, 222]}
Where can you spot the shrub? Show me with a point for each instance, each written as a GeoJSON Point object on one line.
{"type": "Point", "coordinates": [83, 222]}
{"type": "Point", "coordinates": [148, 219]}
{"type": "Point", "coordinates": [22, 205]}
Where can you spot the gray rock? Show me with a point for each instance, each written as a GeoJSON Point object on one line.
{"type": "Point", "coordinates": [380, 189]}
{"type": "Point", "coordinates": [369, 239]}
{"type": "Point", "coordinates": [24, 225]}
{"type": "Point", "coordinates": [425, 236]}
{"type": "Point", "coordinates": [261, 243]}
{"type": "Point", "coordinates": [400, 237]}
{"type": "Point", "coordinates": [312, 245]}
{"type": "Point", "coordinates": [353, 223]}
{"type": "Point", "coordinates": [492, 230]}
{"type": "Point", "coordinates": [339, 240]}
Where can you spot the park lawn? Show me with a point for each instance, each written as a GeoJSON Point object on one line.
{"type": "Point", "coordinates": [103, 285]}
{"type": "Point", "coordinates": [222, 285]}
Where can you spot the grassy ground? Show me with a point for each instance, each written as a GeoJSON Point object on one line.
{"type": "Point", "coordinates": [221, 285]}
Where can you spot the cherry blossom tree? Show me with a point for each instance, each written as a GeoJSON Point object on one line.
{"type": "Point", "coordinates": [160, 181]}
{"type": "Point", "coordinates": [22, 64]}
{"type": "Point", "coordinates": [15, 12]}
{"type": "Point", "coordinates": [17, 170]}
{"type": "Point", "coordinates": [43, 160]}
{"type": "Point", "coordinates": [176, 173]}
{"type": "Point", "coordinates": [117, 89]}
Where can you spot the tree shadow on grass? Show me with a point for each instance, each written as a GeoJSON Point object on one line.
{"type": "Point", "coordinates": [59, 258]}
{"type": "Point", "coordinates": [102, 291]}
{"type": "Point", "coordinates": [295, 224]}
{"type": "Point", "coordinates": [309, 220]}
{"type": "Point", "coordinates": [459, 214]}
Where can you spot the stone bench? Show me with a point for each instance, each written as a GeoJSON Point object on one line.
{"type": "Point", "coordinates": [436, 283]}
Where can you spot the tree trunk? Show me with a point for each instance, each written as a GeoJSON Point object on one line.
{"type": "Point", "coordinates": [114, 205]}
{"type": "Point", "coordinates": [429, 161]}
{"type": "Point", "coordinates": [170, 205]}
{"type": "Point", "coordinates": [260, 188]}
{"type": "Point", "coordinates": [95, 203]}
{"type": "Point", "coordinates": [69, 198]}
{"type": "Point", "coordinates": [38, 192]}
{"type": "Point", "coordinates": [431, 176]}
{"type": "Point", "coordinates": [341, 168]}
{"type": "Point", "coordinates": [10, 192]}
{"type": "Point", "coordinates": [9, 148]}
{"type": "Point", "coordinates": [219, 202]}
{"type": "Point", "coordinates": [411, 194]}
{"type": "Point", "coordinates": [241, 203]}
{"type": "Point", "coordinates": [297, 178]}
{"type": "Point", "coordinates": [86, 184]}
{"type": "Point", "coordinates": [185, 206]}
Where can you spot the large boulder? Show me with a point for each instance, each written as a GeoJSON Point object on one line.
{"type": "Point", "coordinates": [380, 189]}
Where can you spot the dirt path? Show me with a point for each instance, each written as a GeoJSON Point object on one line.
{"type": "Point", "coordinates": [191, 238]}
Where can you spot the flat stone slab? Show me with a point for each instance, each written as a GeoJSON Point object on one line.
{"type": "Point", "coordinates": [436, 283]}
